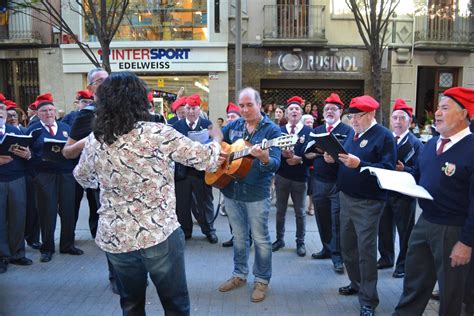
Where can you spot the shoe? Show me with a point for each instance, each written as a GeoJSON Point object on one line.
{"type": "Point", "coordinates": [348, 290]}
{"type": "Point", "coordinates": [339, 267]}
{"type": "Point", "coordinates": [310, 212]}
{"type": "Point", "coordinates": [259, 292]}
{"type": "Point", "coordinates": [187, 237]}
{"type": "Point", "coordinates": [73, 251]}
{"type": "Point", "coordinates": [435, 295]}
{"type": "Point", "coordinates": [469, 309]}
{"type": "Point", "coordinates": [277, 245]}
{"type": "Point", "coordinates": [301, 250]}
{"type": "Point", "coordinates": [228, 243]}
{"type": "Point", "coordinates": [383, 265]}
{"type": "Point", "coordinates": [232, 284]}
{"type": "Point", "coordinates": [367, 310]}
{"type": "Point", "coordinates": [46, 257]}
{"type": "Point", "coordinates": [3, 266]}
{"type": "Point", "coordinates": [321, 255]}
{"type": "Point", "coordinates": [22, 261]}
{"type": "Point", "coordinates": [398, 274]}
{"type": "Point", "coordinates": [212, 238]}
{"type": "Point", "coordinates": [35, 245]}
{"type": "Point", "coordinates": [113, 286]}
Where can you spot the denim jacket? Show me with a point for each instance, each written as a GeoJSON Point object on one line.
{"type": "Point", "coordinates": [256, 185]}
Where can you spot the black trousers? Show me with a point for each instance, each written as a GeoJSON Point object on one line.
{"type": "Point", "coordinates": [93, 201]}
{"type": "Point", "coordinates": [55, 195]}
{"type": "Point", "coordinates": [399, 213]}
{"type": "Point", "coordinates": [469, 290]}
{"type": "Point", "coordinates": [428, 260]}
{"type": "Point", "coordinates": [194, 191]}
{"type": "Point", "coordinates": [32, 227]}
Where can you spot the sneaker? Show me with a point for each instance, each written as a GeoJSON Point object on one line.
{"type": "Point", "coordinates": [232, 284]}
{"type": "Point", "coordinates": [259, 291]}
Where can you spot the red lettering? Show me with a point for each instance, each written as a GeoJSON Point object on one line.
{"type": "Point", "coordinates": [127, 51]}
{"type": "Point", "coordinates": [145, 54]}
{"type": "Point", "coordinates": [118, 54]}
{"type": "Point", "coordinates": [136, 54]}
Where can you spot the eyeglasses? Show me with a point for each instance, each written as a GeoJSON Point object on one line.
{"type": "Point", "coordinates": [356, 116]}
{"type": "Point", "coordinates": [331, 108]}
{"type": "Point", "coordinates": [97, 82]}
{"type": "Point", "coordinates": [399, 117]}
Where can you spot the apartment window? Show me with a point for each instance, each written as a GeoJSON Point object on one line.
{"type": "Point", "coordinates": [161, 20]}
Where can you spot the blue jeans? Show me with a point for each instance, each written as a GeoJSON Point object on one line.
{"type": "Point", "coordinates": [165, 264]}
{"type": "Point", "coordinates": [245, 216]}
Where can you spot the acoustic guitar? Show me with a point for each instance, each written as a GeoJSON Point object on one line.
{"type": "Point", "coordinates": [238, 162]}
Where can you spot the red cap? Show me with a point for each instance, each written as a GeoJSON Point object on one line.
{"type": "Point", "coordinates": [2, 98]}
{"type": "Point", "coordinates": [178, 103]}
{"type": "Point", "coordinates": [193, 100]}
{"type": "Point", "coordinates": [295, 100]}
{"type": "Point", "coordinates": [84, 94]}
{"type": "Point", "coordinates": [232, 108]}
{"type": "Point", "coordinates": [334, 99]}
{"type": "Point", "coordinates": [32, 106]}
{"type": "Point", "coordinates": [150, 96]}
{"type": "Point", "coordinates": [44, 99]}
{"type": "Point", "coordinates": [363, 103]}
{"type": "Point", "coordinates": [401, 105]}
{"type": "Point", "coordinates": [10, 104]}
{"type": "Point", "coordinates": [464, 97]}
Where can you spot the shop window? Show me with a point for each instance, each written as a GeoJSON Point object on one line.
{"type": "Point", "coordinates": [161, 20]}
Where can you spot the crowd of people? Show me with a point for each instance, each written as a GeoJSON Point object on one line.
{"type": "Point", "coordinates": [144, 178]}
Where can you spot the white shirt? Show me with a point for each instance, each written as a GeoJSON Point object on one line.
{"type": "Point", "coordinates": [194, 123]}
{"type": "Point", "coordinates": [401, 136]}
{"type": "Point", "coordinates": [374, 122]}
{"type": "Point", "coordinates": [333, 125]}
{"type": "Point", "coordinates": [454, 139]}
{"type": "Point", "coordinates": [298, 127]}
{"type": "Point", "coordinates": [54, 127]}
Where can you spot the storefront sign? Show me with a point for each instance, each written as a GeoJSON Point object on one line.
{"type": "Point", "coordinates": [152, 59]}
{"type": "Point", "coordinates": [310, 61]}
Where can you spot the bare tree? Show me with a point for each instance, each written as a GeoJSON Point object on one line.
{"type": "Point", "coordinates": [101, 17]}
{"type": "Point", "coordinates": [372, 18]}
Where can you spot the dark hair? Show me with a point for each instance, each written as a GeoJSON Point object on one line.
{"type": "Point", "coordinates": [121, 102]}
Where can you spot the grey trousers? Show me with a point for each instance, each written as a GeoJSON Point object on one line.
{"type": "Point", "coordinates": [12, 219]}
{"type": "Point", "coordinates": [359, 227]}
{"type": "Point", "coordinates": [284, 188]}
{"type": "Point", "coordinates": [429, 248]}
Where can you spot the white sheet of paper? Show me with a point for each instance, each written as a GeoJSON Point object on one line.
{"type": "Point", "coordinates": [398, 181]}
{"type": "Point", "coordinates": [201, 136]}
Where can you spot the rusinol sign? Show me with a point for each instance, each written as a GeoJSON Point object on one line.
{"type": "Point", "coordinates": [146, 58]}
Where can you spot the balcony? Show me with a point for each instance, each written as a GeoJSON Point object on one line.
{"type": "Point", "coordinates": [20, 29]}
{"type": "Point", "coordinates": [301, 24]}
{"type": "Point", "coordinates": [443, 27]}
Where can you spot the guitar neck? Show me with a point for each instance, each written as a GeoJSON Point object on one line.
{"type": "Point", "coordinates": [246, 151]}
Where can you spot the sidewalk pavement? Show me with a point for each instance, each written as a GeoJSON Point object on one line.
{"type": "Point", "coordinates": [78, 285]}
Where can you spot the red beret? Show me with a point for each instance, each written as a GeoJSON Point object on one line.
{"type": "Point", "coordinates": [2, 98]}
{"type": "Point", "coordinates": [150, 96]}
{"type": "Point", "coordinates": [32, 106]}
{"type": "Point", "coordinates": [179, 102]}
{"type": "Point", "coordinates": [84, 94]}
{"type": "Point", "coordinates": [464, 97]}
{"type": "Point", "coordinates": [363, 103]}
{"type": "Point", "coordinates": [44, 99]}
{"type": "Point", "coordinates": [10, 104]}
{"type": "Point", "coordinates": [401, 105]}
{"type": "Point", "coordinates": [193, 100]}
{"type": "Point", "coordinates": [232, 108]}
{"type": "Point", "coordinates": [295, 100]}
{"type": "Point", "coordinates": [334, 99]}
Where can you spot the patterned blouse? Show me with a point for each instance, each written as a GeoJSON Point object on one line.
{"type": "Point", "coordinates": [136, 179]}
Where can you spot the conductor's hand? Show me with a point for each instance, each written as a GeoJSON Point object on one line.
{"type": "Point", "coordinates": [460, 255]}
{"type": "Point", "coordinates": [349, 160]}
{"type": "Point", "coordinates": [215, 133]}
{"type": "Point", "coordinates": [260, 154]}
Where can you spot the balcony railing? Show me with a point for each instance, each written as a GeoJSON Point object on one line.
{"type": "Point", "coordinates": [21, 28]}
{"type": "Point", "coordinates": [294, 22]}
{"type": "Point", "coordinates": [441, 26]}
